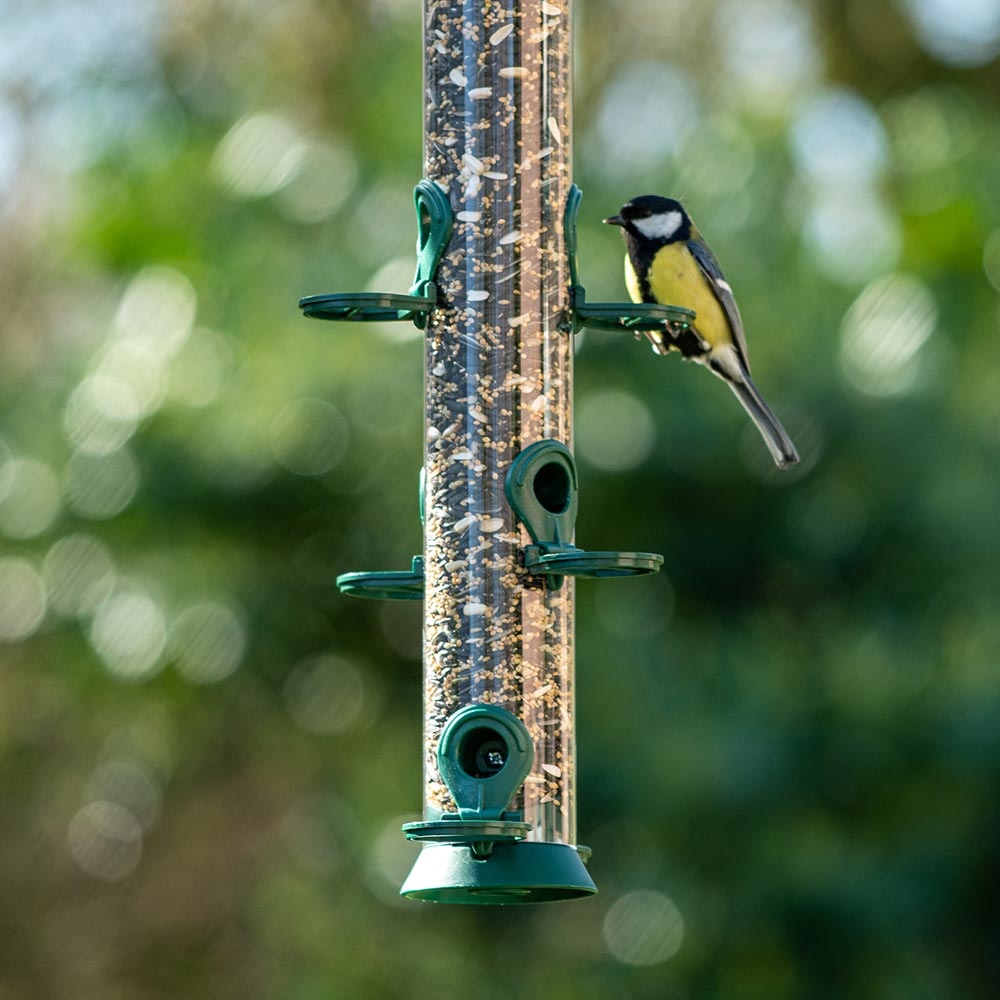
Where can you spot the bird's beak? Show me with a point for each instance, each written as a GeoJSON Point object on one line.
{"type": "Point", "coordinates": [614, 220]}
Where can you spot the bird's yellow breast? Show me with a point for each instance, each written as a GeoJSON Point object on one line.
{"type": "Point", "coordinates": [675, 279]}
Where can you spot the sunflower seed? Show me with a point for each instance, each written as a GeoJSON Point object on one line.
{"type": "Point", "coordinates": [500, 34]}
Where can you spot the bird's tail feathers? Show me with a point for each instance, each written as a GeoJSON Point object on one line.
{"type": "Point", "coordinates": [775, 437]}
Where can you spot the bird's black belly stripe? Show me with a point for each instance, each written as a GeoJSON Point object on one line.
{"type": "Point", "coordinates": [641, 254]}
{"type": "Point", "coordinates": [690, 344]}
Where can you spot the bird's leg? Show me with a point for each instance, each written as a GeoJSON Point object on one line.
{"type": "Point", "coordinates": [660, 343]}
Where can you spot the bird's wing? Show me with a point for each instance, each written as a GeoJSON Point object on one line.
{"type": "Point", "coordinates": [717, 280]}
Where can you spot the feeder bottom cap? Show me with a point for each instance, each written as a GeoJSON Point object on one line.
{"type": "Point", "coordinates": [512, 874]}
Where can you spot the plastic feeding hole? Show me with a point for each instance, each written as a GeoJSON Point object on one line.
{"type": "Point", "coordinates": [552, 487]}
{"type": "Point", "coordinates": [482, 753]}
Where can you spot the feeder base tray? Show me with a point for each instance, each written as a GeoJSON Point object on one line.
{"type": "Point", "coordinates": [523, 872]}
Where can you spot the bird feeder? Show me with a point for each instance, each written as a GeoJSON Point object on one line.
{"type": "Point", "coordinates": [497, 296]}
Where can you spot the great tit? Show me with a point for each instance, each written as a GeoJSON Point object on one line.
{"type": "Point", "coordinates": [668, 261]}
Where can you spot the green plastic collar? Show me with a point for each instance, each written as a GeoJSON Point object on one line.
{"type": "Point", "coordinates": [434, 224]}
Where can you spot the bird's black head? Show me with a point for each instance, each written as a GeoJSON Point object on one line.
{"type": "Point", "coordinates": [650, 217]}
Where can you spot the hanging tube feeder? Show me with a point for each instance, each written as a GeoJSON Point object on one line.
{"type": "Point", "coordinates": [497, 295]}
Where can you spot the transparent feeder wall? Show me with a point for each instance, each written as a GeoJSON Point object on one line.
{"type": "Point", "coordinates": [498, 377]}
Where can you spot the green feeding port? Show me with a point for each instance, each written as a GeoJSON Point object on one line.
{"type": "Point", "coordinates": [478, 854]}
{"type": "Point", "coordinates": [434, 224]}
{"type": "Point", "coordinates": [483, 756]}
{"type": "Point", "coordinates": [542, 489]}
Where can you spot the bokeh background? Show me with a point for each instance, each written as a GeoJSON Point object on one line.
{"type": "Point", "coordinates": [789, 740]}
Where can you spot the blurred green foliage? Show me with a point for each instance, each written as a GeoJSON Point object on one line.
{"type": "Point", "coordinates": [789, 741]}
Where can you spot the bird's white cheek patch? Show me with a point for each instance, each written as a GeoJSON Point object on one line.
{"type": "Point", "coordinates": [660, 227]}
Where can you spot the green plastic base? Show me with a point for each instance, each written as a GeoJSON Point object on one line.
{"type": "Point", "coordinates": [525, 872]}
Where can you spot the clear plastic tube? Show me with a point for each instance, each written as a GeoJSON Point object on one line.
{"type": "Point", "coordinates": [498, 378]}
